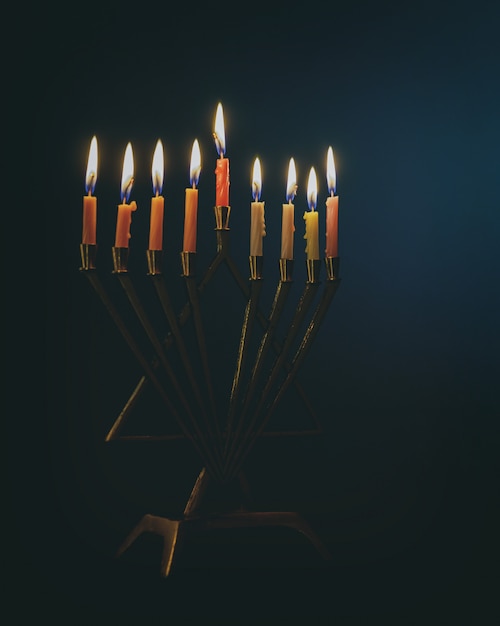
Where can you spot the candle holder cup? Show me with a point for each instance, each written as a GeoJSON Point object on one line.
{"type": "Point", "coordinates": [223, 431]}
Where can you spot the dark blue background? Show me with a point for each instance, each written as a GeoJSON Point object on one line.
{"type": "Point", "coordinates": [405, 372]}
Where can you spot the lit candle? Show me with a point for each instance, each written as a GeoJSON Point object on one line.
{"type": "Point", "coordinates": [191, 201]}
{"type": "Point", "coordinates": [222, 167]}
{"type": "Point", "coordinates": [258, 224]}
{"type": "Point", "coordinates": [311, 219]}
{"type": "Point", "coordinates": [157, 201]}
{"type": "Point", "coordinates": [332, 208]}
{"type": "Point", "coordinates": [287, 219]}
{"type": "Point", "coordinates": [90, 201]}
{"type": "Point", "coordinates": [124, 218]}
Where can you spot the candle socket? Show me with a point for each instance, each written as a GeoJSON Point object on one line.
{"type": "Point", "coordinates": [188, 260]}
{"type": "Point", "coordinates": [332, 264]}
{"type": "Point", "coordinates": [154, 258]}
{"type": "Point", "coordinates": [286, 270]}
{"type": "Point", "coordinates": [120, 260]}
{"type": "Point", "coordinates": [256, 264]}
{"type": "Point", "coordinates": [313, 267]}
{"type": "Point", "coordinates": [222, 217]}
{"type": "Point", "coordinates": [88, 253]}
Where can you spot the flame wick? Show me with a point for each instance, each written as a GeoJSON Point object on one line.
{"type": "Point", "coordinates": [126, 191]}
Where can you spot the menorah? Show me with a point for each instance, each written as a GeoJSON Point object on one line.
{"type": "Point", "coordinates": [223, 436]}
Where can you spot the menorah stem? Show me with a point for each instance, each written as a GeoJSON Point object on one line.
{"type": "Point", "coordinates": [303, 307]}
{"type": "Point", "coordinates": [179, 341]}
{"type": "Point", "coordinates": [192, 290]}
{"type": "Point", "coordinates": [146, 324]}
{"type": "Point", "coordinates": [280, 297]}
{"type": "Point", "coordinates": [305, 345]}
{"type": "Point", "coordinates": [115, 316]}
{"type": "Point", "coordinates": [246, 332]}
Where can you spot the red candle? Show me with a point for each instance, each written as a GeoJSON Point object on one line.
{"type": "Point", "coordinates": [191, 201]}
{"type": "Point", "coordinates": [332, 209]}
{"type": "Point", "coordinates": [157, 201]}
{"type": "Point", "coordinates": [124, 218]}
{"type": "Point", "coordinates": [222, 167]}
{"type": "Point", "coordinates": [89, 201]}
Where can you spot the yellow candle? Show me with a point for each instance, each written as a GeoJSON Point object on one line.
{"type": "Point", "coordinates": [157, 201]}
{"type": "Point", "coordinates": [191, 201]}
{"type": "Point", "coordinates": [257, 221]}
{"type": "Point", "coordinates": [124, 218]}
{"type": "Point", "coordinates": [332, 208]}
{"type": "Point", "coordinates": [89, 201]}
{"type": "Point", "coordinates": [311, 219]}
{"type": "Point", "coordinates": [288, 214]}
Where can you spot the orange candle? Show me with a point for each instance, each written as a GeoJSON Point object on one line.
{"type": "Point", "coordinates": [311, 219]}
{"type": "Point", "coordinates": [89, 201]}
{"type": "Point", "coordinates": [288, 215]}
{"type": "Point", "coordinates": [222, 167]}
{"type": "Point", "coordinates": [257, 221]}
{"type": "Point", "coordinates": [191, 201]}
{"type": "Point", "coordinates": [124, 218]}
{"type": "Point", "coordinates": [157, 201]}
{"type": "Point", "coordinates": [332, 209]}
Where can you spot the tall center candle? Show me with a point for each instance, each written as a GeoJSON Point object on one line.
{"type": "Point", "coordinates": [332, 208]}
{"type": "Point", "coordinates": [90, 201]}
{"type": "Point", "coordinates": [157, 201]}
{"type": "Point", "coordinates": [191, 201]}
{"type": "Point", "coordinates": [124, 218]}
{"type": "Point", "coordinates": [288, 214]}
{"type": "Point", "coordinates": [257, 221]}
{"type": "Point", "coordinates": [222, 166]}
{"type": "Point", "coordinates": [311, 219]}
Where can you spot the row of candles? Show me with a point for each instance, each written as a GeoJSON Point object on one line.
{"type": "Point", "coordinates": [257, 228]}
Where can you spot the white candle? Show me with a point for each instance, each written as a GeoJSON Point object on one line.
{"type": "Point", "coordinates": [258, 224]}
{"type": "Point", "coordinates": [332, 208]}
{"type": "Point", "coordinates": [311, 219]}
{"type": "Point", "coordinates": [287, 220]}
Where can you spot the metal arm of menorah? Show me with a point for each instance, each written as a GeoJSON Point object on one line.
{"type": "Point", "coordinates": [222, 439]}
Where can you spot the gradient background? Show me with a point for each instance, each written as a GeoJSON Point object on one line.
{"type": "Point", "coordinates": [405, 371]}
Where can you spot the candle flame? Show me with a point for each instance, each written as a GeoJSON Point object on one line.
{"type": "Point", "coordinates": [312, 190]}
{"type": "Point", "coordinates": [256, 180]}
{"type": "Point", "coordinates": [291, 186]}
{"type": "Point", "coordinates": [195, 167]}
{"type": "Point", "coordinates": [127, 173]}
{"type": "Point", "coordinates": [157, 168]}
{"type": "Point", "coordinates": [331, 176]}
{"type": "Point", "coordinates": [91, 175]}
{"type": "Point", "coordinates": [219, 135]}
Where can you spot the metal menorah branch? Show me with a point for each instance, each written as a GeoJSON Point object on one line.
{"type": "Point", "coordinates": [223, 435]}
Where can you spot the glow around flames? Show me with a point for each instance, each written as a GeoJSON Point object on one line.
{"type": "Point", "coordinates": [127, 173]}
{"type": "Point", "coordinates": [256, 180]}
{"type": "Point", "coordinates": [219, 135]}
{"type": "Point", "coordinates": [312, 189]}
{"type": "Point", "coordinates": [331, 175]}
{"type": "Point", "coordinates": [195, 167]}
{"type": "Point", "coordinates": [157, 168]}
{"type": "Point", "coordinates": [291, 186]}
{"type": "Point", "coordinates": [91, 174]}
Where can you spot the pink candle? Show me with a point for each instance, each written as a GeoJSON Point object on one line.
{"type": "Point", "coordinates": [332, 209]}
{"type": "Point", "coordinates": [124, 218]}
{"type": "Point", "coordinates": [89, 201]}
{"type": "Point", "coordinates": [191, 201]}
{"type": "Point", "coordinates": [157, 201]}
{"type": "Point", "coordinates": [222, 167]}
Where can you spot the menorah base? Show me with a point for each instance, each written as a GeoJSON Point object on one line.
{"type": "Point", "coordinates": [174, 530]}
